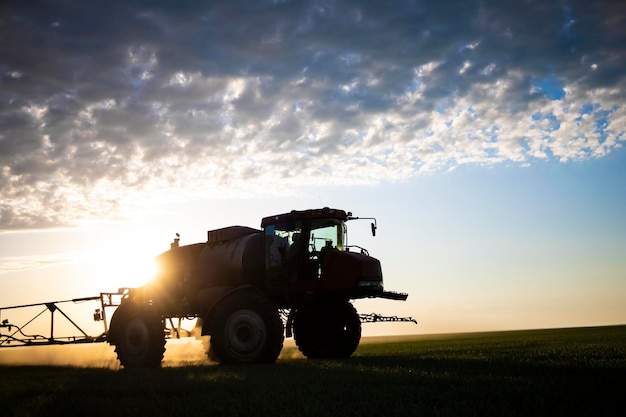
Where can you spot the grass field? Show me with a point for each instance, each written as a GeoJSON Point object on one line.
{"type": "Point", "coordinates": [561, 372]}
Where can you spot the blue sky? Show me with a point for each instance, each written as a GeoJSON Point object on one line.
{"type": "Point", "coordinates": [486, 137]}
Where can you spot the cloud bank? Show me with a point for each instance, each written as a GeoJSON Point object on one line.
{"type": "Point", "coordinates": [111, 106]}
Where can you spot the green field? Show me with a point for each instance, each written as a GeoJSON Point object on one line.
{"type": "Point", "coordinates": [562, 372]}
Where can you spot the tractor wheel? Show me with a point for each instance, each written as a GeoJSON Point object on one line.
{"type": "Point", "coordinates": [327, 331]}
{"type": "Point", "coordinates": [246, 328]}
{"type": "Point", "coordinates": [139, 337]}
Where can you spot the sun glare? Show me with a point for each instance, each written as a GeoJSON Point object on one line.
{"type": "Point", "coordinates": [125, 266]}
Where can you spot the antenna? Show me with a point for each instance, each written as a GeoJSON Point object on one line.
{"type": "Point", "coordinates": [176, 241]}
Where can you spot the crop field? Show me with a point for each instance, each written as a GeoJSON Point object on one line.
{"type": "Point", "coordinates": [556, 372]}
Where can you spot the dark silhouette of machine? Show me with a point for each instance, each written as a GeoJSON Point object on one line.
{"type": "Point", "coordinates": [248, 288]}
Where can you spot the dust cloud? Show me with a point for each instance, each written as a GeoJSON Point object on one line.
{"type": "Point", "coordinates": [179, 352]}
{"type": "Point", "coordinates": [95, 355]}
{"type": "Point", "coordinates": [290, 351]}
{"type": "Point", "coordinates": [186, 351]}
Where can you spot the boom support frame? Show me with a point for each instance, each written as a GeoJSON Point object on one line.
{"type": "Point", "coordinates": [13, 335]}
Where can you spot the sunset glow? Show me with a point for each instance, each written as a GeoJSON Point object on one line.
{"type": "Point", "coordinates": [123, 266]}
{"type": "Point", "coordinates": [486, 137]}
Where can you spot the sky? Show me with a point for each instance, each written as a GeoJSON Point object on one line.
{"type": "Point", "coordinates": [486, 137]}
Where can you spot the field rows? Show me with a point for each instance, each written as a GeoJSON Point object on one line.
{"type": "Point", "coordinates": [568, 372]}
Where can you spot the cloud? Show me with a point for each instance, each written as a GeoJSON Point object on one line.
{"type": "Point", "coordinates": [106, 107]}
{"type": "Point", "coordinates": [9, 264]}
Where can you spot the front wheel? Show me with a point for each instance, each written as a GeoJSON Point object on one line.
{"type": "Point", "coordinates": [327, 330]}
{"type": "Point", "coordinates": [138, 335]}
{"type": "Point", "coordinates": [246, 328]}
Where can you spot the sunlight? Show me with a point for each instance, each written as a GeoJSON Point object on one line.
{"type": "Point", "coordinates": [125, 265]}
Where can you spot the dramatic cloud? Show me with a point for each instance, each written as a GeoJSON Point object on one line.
{"type": "Point", "coordinates": [108, 106]}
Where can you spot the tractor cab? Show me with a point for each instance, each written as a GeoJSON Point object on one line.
{"type": "Point", "coordinates": [306, 252]}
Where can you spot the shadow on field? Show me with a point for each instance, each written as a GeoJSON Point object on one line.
{"type": "Point", "coordinates": [387, 385]}
{"type": "Point", "coordinates": [522, 375]}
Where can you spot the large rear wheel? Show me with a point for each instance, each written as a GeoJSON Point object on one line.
{"type": "Point", "coordinates": [138, 335]}
{"type": "Point", "coordinates": [246, 328]}
{"type": "Point", "coordinates": [327, 330]}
